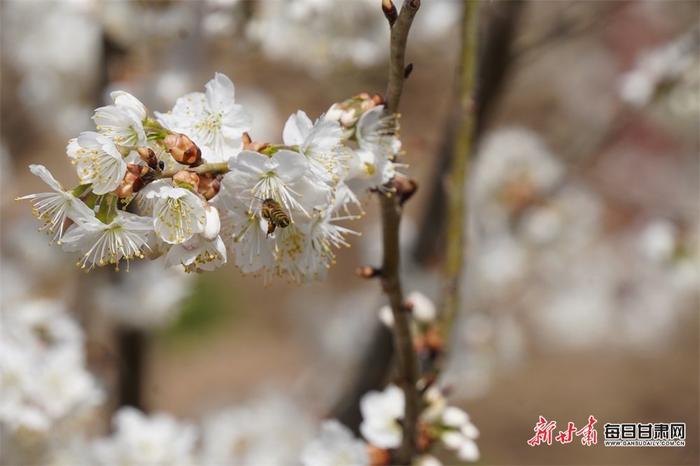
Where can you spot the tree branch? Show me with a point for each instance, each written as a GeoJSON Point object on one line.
{"type": "Point", "coordinates": [457, 175]}
{"type": "Point", "coordinates": [498, 29]}
{"type": "Point", "coordinates": [407, 367]}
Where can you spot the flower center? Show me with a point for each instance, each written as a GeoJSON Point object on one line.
{"type": "Point", "coordinates": [212, 123]}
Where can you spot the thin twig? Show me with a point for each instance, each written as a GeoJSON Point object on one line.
{"type": "Point", "coordinates": [391, 217]}
{"type": "Point", "coordinates": [457, 175]}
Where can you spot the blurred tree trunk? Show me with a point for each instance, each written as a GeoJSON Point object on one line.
{"type": "Point", "coordinates": [499, 24]}
{"type": "Point", "coordinates": [131, 347]}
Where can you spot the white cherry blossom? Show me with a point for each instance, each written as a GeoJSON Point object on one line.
{"type": "Point", "coordinates": [381, 413]}
{"type": "Point", "coordinates": [42, 367]}
{"type": "Point", "coordinates": [98, 161]}
{"type": "Point", "coordinates": [319, 142]}
{"type": "Point", "coordinates": [178, 214]}
{"type": "Point", "coordinates": [211, 119]}
{"type": "Point", "coordinates": [371, 164]}
{"type": "Point", "coordinates": [55, 208]}
{"type": "Point", "coordinates": [282, 177]}
{"type": "Point", "coordinates": [198, 253]}
{"type": "Point", "coordinates": [123, 121]}
{"type": "Point", "coordinates": [307, 250]}
{"type": "Point", "coordinates": [459, 434]}
{"type": "Point", "coordinates": [140, 440]}
{"type": "Point", "coordinates": [335, 445]}
{"type": "Point", "coordinates": [124, 238]}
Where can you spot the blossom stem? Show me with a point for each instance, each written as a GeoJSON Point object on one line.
{"type": "Point", "coordinates": [456, 240]}
{"type": "Point", "coordinates": [218, 167]}
{"type": "Point", "coordinates": [391, 218]}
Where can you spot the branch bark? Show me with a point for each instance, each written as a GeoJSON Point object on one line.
{"type": "Point", "coordinates": [407, 366]}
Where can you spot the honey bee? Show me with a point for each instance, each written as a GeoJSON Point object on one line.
{"type": "Point", "coordinates": [275, 215]}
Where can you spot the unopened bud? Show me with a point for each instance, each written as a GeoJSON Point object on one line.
{"type": "Point", "coordinates": [186, 179]}
{"type": "Point", "coordinates": [246, 139]}
{"type": "Point", "coordinates": [148, 156]}
{"type": "Point", "coordinates": [209, 185]}
{"type": "Point", "coordinates": [424, 439]}
{"type": "Point", "coordinates": [389, 11]}
{"type": "Point", "coordinates": [132, 181]}
{"type": "Point", "coordinates": [433, 339]}
{"type": "Point", "coordinates": [367, 271]}
{"type": "Point", "coordinates": [183, 149]}
{"type": "Point", "coordinates": [405, 188]}
{"type": "Point", "coordinates": [378, 456]}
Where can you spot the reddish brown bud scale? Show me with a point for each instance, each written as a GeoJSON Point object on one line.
{"type": "Point", "coordinates": [148, 156]}
{"type": "Point", "coordinates": [405, 188]}
{"type": "Point", "coordinates": [188, 179]}
{"type": "Point", "coordinates": [246, 138]}
{"type": "Point", "coordinates": [367, 271]}
{"type": "Point", "coordinates": [390, 11]}
{"type": "Point", "coordinates": [132, 181]}
{"type": "Point", "coordinates": [425, 439]}
{"type": "Point", "coordinates": [434, 340]}
{"type": "Point", "coordinates": [209, 185]}
{"type": "Point", "coordinates": [378, 456]}
{"type": "Point", "coordinates": [183, 149]}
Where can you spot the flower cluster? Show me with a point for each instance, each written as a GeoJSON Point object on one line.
{"type": "Point", "coordinates": [382, 415]}
{"type": "Point", "coordinates": [42, 368]}
{"type": "Point", "coordinates": [139, 439]}
{"type": "Point", "coordinates": [191, 184]}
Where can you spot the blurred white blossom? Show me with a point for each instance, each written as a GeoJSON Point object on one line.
{"type": "Point", "coordinates": [271, 429]}
{"type": "Point", "coordinates": [381, 416]}
{"type": "Point", "coordinates": [335, 445]}
{"type": "Point", "coordinates": [139, 439]}
{"type": "Point", "coordinates": [42, 367]}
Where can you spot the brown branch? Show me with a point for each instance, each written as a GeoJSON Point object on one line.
{"type": "Point", "coordinates": [407, 366]}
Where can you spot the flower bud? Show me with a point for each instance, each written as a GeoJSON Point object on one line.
{"type": "Point", "coordinates": [148, 156]}
{"type": "Point", "coordinates": [367, 271]}
{"type": "Point", "coordinates": [434, 340]}
{"type": "Point", "coordinates": [378, 99]}
{"type": "Point", "coordinates": [183, 149]}
{"type": "Point", "coordinates": [378, 456]}
{"type": "Point", "coordinates": [249, 144]}
{"type": "Point", "coordinates": [186, 179]}
{"type": "Point", "coordinates": [132, 181]}
{"type": "Point", "coordinates": [405, 188]}
{"type": "Point", "coordinates": [390, 11]}
{"type": "Point", "coordinates": [209, 185]}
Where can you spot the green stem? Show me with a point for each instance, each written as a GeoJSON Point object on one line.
{"type": "Point", "coordinates": [108, 208]}
{"type": "Point", "coordinates": [458, 172]}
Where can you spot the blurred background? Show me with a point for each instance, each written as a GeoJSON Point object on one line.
{"type": "Point", "coordinates": [581, 287]}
